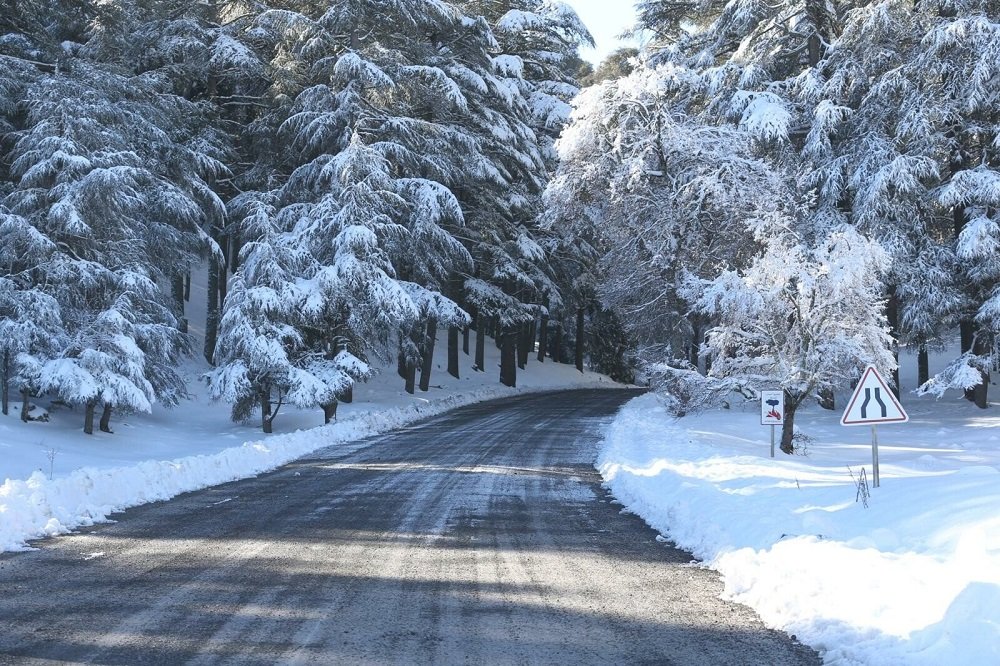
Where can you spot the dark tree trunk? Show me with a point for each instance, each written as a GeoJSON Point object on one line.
{"type": "Point", "coordinates": [25, 407]}
{"type": "Point", "coordinates": [88, 418]}
{"type": "Point", "coordinates": [266, 420]}
{"type": "Point", "coordinates": [465, 340]}
{"type": "Point", "coordinates": [187, 287]}
{"type": "Point", "coordinates": [788, 425]}
{"type": "Point", "coordinates": [428, 354]}
{"type": "Point", "coordinates": [105, 424]}
{"type": "Point", "coordinates": [480, 345]}
{"type": "Point", "coordinates": [695, 348]}
{"type": "Point", "coordinates": [401, 358]}
{"type": "Point", "coordinates": [579, 339]}
{"type": "Point", "coordinates": [892, 315]}
{"type": "Point", "coordinates": [212, 315]}
{"type": "Point", "coordinates": [178, 289]}
{"type": "Point", "coordinates": [330, 412]}
{"type": "Point", "coordinates": [5, 398]}
{"type": "Point", "coordinates": [967, 334]}
{"type": "Point", "coordinates": [234, 255]}
{"type": "Point", "coordinates": [223, 288]}
{"type": "Point", "coordinates": [524, 345]}
{"type": "Point", "coordinates": [923, 366]}
{"type": "Point", "coordinates": [508, 359]}
{"type": "Point", "coordinates": [557, 342]}
{"type": "Point", "coordinates": [980, 393]}
{"type": "Point", "coordinates": [826, 399]}
{"type": "Point", "coordinates": [543, 334]}
{"type": "Point", "coordinates": [453, 351]}
{"type": "Point", "coordinates": [411, 377]}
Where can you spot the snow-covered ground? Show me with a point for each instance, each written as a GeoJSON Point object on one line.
{"type": "Point", "coordinates": [56, 478]}
{"type": "Point", "coordinates": [914, 578]}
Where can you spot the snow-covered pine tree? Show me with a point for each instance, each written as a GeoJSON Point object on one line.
{"type": "Point", "coordinates": [31, 330]}
{"type": "Point", "coordinates": [387, 89]}
{"type": "Point", "coordinates": [909, 165]}
{"type": "Point", "coordinates": [264, 358]}
{"type": "Point", "coordinates": [100, 175]}
{"type": "Point", "coordinates": [355, 290]}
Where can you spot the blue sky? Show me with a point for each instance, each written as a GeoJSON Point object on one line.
{"type": "Point", "coordinates": [605, 19]}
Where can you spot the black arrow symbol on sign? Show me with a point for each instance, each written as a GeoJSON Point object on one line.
{"type": "Point", "coordinates": [878, 399]}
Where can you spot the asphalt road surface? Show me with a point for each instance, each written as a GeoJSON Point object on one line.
{"type": "Point", "coordinates": [482, 537]}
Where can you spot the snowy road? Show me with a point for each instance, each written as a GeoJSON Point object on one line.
{"type": "Point", "coordinates": [482, 536]}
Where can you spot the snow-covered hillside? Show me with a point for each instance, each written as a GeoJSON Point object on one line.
{"type": "Point", "coordinates": [914, 578]}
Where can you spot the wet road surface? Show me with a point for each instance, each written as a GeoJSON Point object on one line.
{"type": "Point", "coordinates": [482, 536]}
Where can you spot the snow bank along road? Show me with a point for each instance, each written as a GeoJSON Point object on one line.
{"type": "Point", "coordinates": [482, 535]}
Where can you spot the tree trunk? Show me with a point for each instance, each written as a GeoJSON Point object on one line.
{"type": "Point", "coordinates": [557, 342]}
{"type": "Point", "coordinates": [892, 316]}
{"type": "Point", "coordinates": [508, 359]}
{"type": "Point", "coordinates": [524, 345]}
{"type": "Point", "coordinates": [788, 424]}
{"type": "Point", "coordinates": [330, 412]}
{"type": "Point", "coordinates": [465, 340]}
{"type": "Point", "coordinates": [411, 377]}
{"type": "Point", "coordinates": [543, 333]}
{"type": "Point", "coordinates": [480, 365]}
{"type": "Point", "coordinates": [105, 424]}
{"type": "Point", "coordinates": [966, 326]}
{"type": "Point", "coordinates": [223, 288]}
{"type": "Point", "coordinates": [967, 334]}
{"type": "Point", "coordinates": [178, 289]}
{"type": "Point", "coordinates": [980, 392]}
{"type": "Point", "coordinates": [5, 387]}
{"type": "Point", "coordinates": [88, 418]}
{"type": "Point", "coordinates": [695, 348]}
{"type": "Point", "coordinates": [826, 399]}
{"type": "Point", "coordinates": [25, 407]}
{"type": "Point", "coordinates": [923, 366]}
{"type": "Point", "coordinates": [234, 255]}
{"type": "Point", "coordinates": [428, 354]}
{"type": "Point", "coordinates": [401, 358]}
{"type": "Point", "coordinates": [453, 351]}
{"type": "Point", "coordinates": [265, 411]}
{"type": "Point", "coordinates": [212, 315]}
{"type": "Point", "coordinates": [579, 339]}
{"type": "Point", "coordinates": [187, 287]}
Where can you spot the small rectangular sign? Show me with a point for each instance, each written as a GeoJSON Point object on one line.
{"type": "Point", "coordinates": [772, 407]}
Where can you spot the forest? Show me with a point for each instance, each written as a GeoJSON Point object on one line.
{"type": "Point", "coordinates": [355, 174]}
{"type": "Point", "coordinates": [789, 191]}
{"type": "Point", "coordinates": [767, 195]}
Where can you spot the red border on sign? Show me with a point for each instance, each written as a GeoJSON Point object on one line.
{"type": "Point", "coordinates": [857, 392]}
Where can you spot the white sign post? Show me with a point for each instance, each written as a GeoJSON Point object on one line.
{"type": "Point", "coordinates": [772, 411]}
{"type": "Point", "coordinates": [873, 403]}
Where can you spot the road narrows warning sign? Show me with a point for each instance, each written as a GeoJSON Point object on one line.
{"type": "Point", "coordinates": [873, 403]}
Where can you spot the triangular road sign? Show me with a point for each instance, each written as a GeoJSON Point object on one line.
{"type": "Point", "coordinates": [873, 403]}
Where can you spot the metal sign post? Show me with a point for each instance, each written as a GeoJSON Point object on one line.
{"type": "Point", "coordinates": [873, 403]}
{"type": "Point", "coordinates": [772, 411]}
{"type": "Point", "coordinates": [874, 457]}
